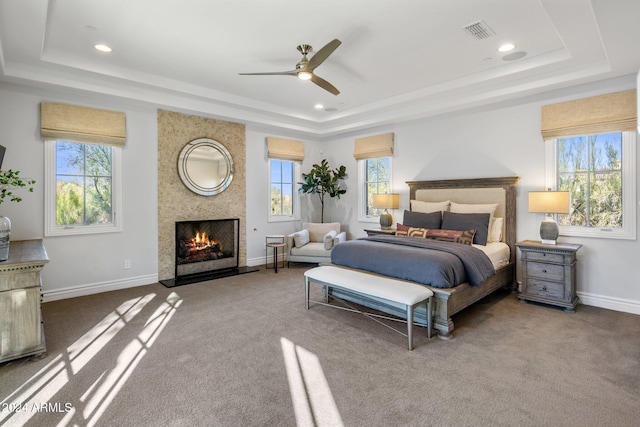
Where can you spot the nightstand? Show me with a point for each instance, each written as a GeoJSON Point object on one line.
{"type": "Point", "coordinates": [549, 273]}
{"type": "Point", "coordinates": [374, 231]}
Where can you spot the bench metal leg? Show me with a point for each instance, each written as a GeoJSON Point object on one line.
{"type": "Point", "coordinates": [306, 293]}
{"type": "Point", "coordinates": [410, 325]}
{"type": "Point", "coordinates": [429, 316]}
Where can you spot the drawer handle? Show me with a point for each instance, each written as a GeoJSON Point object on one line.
{"type": "Point", "coordinates": [544, 271]}
{"type": "Point", "coordinates": [544, 288]}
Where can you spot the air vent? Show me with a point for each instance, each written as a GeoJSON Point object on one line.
{"type": "Point", "coordinates": [479, 30]}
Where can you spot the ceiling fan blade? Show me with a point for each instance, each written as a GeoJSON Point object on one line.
{"type": "Point", "coordinates": [324, 84]}
{"type": "Point", "coordinates": [274, 73]}
{"type": "Point", "coordinates": [323, 54]}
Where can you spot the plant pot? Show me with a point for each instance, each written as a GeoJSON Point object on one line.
{"type": "Point", "coordinates": [5, 231]}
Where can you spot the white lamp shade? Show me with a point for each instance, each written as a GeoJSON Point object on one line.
{"type": "Point", "coordinates": [549, 202]}
{"type": "Point", "coordinates": [386, 201]}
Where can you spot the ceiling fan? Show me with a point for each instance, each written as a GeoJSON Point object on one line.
{"type": "Point", "coordinates": [304, 68]}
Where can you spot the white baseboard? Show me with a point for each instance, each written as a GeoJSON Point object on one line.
{"type": "Point", "coordinates": [611, 303]}
{"type": "Point", "coordinates": [257, 262]}
{"type": "Point", "coordinates": [96, 288]}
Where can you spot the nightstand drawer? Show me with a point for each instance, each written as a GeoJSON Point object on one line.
{"type": "Point", "coordinates": [541, 256]}
{"type": "Point", "coordinates": [545, 271]}
{"type": "Point", "coordinates": [542, 288]}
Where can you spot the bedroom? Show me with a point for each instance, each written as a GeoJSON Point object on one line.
{"type": "Point", "coordinates": [501, 139]}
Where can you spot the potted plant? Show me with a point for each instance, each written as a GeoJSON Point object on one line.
{"type": "Point", "coordinates": [322, 180]}
{"type": "Point", "coordinates": [9, 182]}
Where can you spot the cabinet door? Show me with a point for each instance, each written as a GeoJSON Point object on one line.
{"type": "Point", "coordinates": [20, 328]}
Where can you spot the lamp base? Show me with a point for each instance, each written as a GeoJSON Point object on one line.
{"type": "Point", "coordinates": [549, 232]}
{"type": "Point", "coordinates": [386, 220]}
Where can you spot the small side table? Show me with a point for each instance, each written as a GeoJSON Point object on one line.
{"type": "Point", "coordinates": [271, 238]}
{"type": "Point", "coordinates": [549, 273]}
{"type": "Point", "coordinates": [374, 231]}
{"type": "Point", "coordinates": [275, 246]}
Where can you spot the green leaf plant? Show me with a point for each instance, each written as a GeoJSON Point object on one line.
{"type": "Point", "coordinates": [9, 181]}
{"type": "Point", "coordinates": [322, 180]}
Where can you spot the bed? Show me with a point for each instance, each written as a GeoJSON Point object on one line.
{"type": "Point", "coordinates": [448, 300]}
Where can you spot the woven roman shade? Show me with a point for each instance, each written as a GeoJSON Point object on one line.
{"type": "Point", "coordinates": [65, 122]}
{"type": "Point", "coordinates": [372, 147]}
{"type": "Point", "coordinates": [612, 112]}
{"type": "Point", "coordinates": [285, 149]}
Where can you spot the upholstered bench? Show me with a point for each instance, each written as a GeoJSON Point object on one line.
{"type": "Point", "coordinates": [409, 294]}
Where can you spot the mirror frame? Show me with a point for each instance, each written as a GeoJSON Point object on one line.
{"type": "Point", "coordinates": [188, 180]}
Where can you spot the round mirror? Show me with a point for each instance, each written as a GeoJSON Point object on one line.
{"type": "Point", "coordinates": [205, 167]}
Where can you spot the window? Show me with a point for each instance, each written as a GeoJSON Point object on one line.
{"type": "Point", "coordinates": [82, 188]}
{"type": "Point", "coordinates": [599, 172]}
{"type": "Point", "coordinates": [375, 177]}
{"type": "Point", "coordinates": [282, 190]}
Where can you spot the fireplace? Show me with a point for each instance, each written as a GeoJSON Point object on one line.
{"type": "Point", "coordinates": [205, 249]}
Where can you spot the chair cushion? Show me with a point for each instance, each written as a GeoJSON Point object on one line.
{"type": "Point", "coordinates": [301, 238]}
{"type": "Point", "coordinates": [318, 230]}
{"type": "Point", "coordinates": [313, 249]}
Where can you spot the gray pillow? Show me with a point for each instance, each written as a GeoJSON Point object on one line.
{"type": "Point", "coordinates": [422, 220]}
{"type": "Point", "coordinates": [468, 221]}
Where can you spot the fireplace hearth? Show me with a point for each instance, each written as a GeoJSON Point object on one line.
{"type": "Point", "coordinates": [205, 250]}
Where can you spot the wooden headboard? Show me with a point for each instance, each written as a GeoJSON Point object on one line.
{"type": "Point", "coordinates": [475, 190]}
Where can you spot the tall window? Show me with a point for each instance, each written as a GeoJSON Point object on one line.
{"type": "Point", "coordinates": [82, 193]}
{"type": "Point", "coordinates": [599, 172]}
{"type": "Point", "coordinates": [375, 178]}
{"type": "Point", "coordinates": [283, 195]}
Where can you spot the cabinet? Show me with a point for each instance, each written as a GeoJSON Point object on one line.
{"type": "Point", "coordinates": [21, 328]}
{"type": "Point", "coordinates": [549, 273]}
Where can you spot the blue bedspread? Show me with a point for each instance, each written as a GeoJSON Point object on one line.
{"type": "Point", "coordinates": [430, 262]}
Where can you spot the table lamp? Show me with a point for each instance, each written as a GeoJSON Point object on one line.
{"type": "Point", "coordinates": [549, 203]}
{"type": "Point", "coordinates": [386, 201]}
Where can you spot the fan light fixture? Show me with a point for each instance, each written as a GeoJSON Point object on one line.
{"type": "Point", "coordinates": [305, 68]}
{"type": "Point", "coordinates": [304, 75]}
{"type": "Point", "coordinates": [549, 203]}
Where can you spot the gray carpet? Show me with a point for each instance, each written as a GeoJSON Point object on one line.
{"type": "Point", "coordinates": [242, 351]}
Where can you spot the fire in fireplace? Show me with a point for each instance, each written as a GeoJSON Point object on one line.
{"type": "Point", "coordinates": [200, 248]}
{"type": "Point", "coordinates": [206, 245]}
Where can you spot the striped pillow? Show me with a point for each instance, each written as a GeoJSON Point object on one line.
{"type": "Point", "coordinates": [465, 237]}
{"type": "Point", "coordinates": [455, 236]}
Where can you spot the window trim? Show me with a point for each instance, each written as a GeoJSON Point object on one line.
{"type": "Point", "coordinates": [629, 209]}
{"type": "Point", "coordinates": [51, 229]}
{"type": "Point", "coordinates": [296, 196]}
{"type": "Point", "coordinates": [362, 203]}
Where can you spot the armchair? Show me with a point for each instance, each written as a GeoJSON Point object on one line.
{"type": "Point", "coordinates": [314, 242]}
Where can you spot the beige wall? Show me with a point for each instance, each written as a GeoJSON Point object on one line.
{"type": "Point", "coordinates": [176, 202]}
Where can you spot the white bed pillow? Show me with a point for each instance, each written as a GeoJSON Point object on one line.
{"type": "Point", "coordinates": [489, 208]}
{"type": "Point", "coordinates": [495, 230]}
{"type": "Point", "coordinates": [301, 238]}
{"type": "Point", "coordinates": [428, 207]}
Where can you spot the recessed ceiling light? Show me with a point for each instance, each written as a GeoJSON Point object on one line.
{"type": "Point", "coordinates": [103, 48]}
{"type": "Point", "coordinates": [506, 47]}
{"type": "Point", "coordinates": [318, 106]}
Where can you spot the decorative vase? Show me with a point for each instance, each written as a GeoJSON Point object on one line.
{"type": "Point", "coordinates": [5, 231]}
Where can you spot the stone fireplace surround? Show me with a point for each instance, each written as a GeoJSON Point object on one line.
{"type": "Point", "coordinates": [176, 202]}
